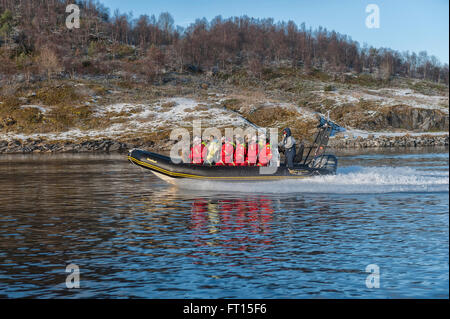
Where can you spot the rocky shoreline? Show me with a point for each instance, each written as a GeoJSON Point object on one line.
{"type": "Point", "coordinates": [42, 146]}
{"type": "Point", "coordinates": [389, 141]}
{"type": "Point", "coordinates": [112, 146]}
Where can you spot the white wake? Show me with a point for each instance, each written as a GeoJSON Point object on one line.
{"type": "Point", "coordinates": [348, 180]}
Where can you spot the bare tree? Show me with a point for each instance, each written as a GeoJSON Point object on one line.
{"type": "Point", "coordinates": [238, 41]}
{"type": "Point", "coordinates": [49, 62]}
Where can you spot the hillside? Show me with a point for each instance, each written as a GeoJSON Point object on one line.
{"type": "Point", "coordinates": [131, 82]}
{"type": "Point", "coordinates": [96, 109]}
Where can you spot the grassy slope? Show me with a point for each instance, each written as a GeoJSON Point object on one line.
{"type": "Point", "coordinates": [279, 98]}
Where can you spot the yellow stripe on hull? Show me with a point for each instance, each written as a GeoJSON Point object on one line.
{"type": "Point", "coordinates": [247, 178]}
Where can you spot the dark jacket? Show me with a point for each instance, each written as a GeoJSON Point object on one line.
{"type": "Point", "coordinates": [289, 141]}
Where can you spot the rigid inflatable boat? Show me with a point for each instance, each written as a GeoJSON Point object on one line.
{"type": "Point", "coordinates": [315, 163]}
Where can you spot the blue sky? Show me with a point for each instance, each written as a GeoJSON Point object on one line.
{"type": "Point", "coordinates": [405, 25]}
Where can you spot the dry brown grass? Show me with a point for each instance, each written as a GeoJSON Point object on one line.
{"type": "Point", "coordinates": [270, 116]}
{"type": "Point", "coordinates": [167, 106]}
{"type": "Point", "coordinates": [201, 108]}
{"type": "Point", "coordinates": [60, 95]}
{"type": "Point", "coordinates": [9, 103]}
{"type": "Point", "coordinates": [232, 104]}
{"type": "Point", "coordinates": [302, 130]}
{"type": "Point", "coordinates": [66, 117]}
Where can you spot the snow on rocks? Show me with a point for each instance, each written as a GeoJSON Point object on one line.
{"type": "Point", "coordinates": [388, 97]}
{"type": "Point", "coordinates": [40, 108]}
{"type": "Point", "coordinates": [140, 118]}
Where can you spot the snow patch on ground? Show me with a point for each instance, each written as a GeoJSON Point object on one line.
{"type": "Point", "coordinates": [40, 108]}
{"type": "Point", "coordinates": [116, 108]}
{"type": "Point", "coordinates": [389, 97]}
{"type": "Point", "coordinates": [140, 118]}
{"type": "Point", "coordinates": [175, 112]}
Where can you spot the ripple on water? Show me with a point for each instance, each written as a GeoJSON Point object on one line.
{"type": "Point", "coordinates": [134, 236]}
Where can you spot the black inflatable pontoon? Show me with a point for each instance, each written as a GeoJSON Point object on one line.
{"type": "Point", "coordinates": [163, 167]}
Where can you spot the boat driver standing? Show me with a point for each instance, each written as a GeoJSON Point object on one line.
{"type": "Point", "coordinates": [288, 143]}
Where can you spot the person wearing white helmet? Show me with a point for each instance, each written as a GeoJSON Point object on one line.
{"type": "Point", "coordinates": [197, 151]}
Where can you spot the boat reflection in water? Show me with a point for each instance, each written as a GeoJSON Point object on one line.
{"type": "Point", "coordinates": [241, 224]}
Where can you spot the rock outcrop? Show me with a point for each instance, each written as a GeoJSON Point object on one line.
{"type": "Point", "coordinates": [389, 141]}
{"type": "Point", "coordinates": [409, 118]}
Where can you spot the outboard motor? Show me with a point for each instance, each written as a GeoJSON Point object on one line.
{"type": "Point", "coordinates": [327, 161]}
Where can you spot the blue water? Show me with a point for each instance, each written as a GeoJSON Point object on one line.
{"type": "Point", "coordinates": [132, 235]}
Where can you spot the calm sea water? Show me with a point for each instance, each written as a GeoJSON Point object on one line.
{"type": "Point", "coordinates": [132, 235]}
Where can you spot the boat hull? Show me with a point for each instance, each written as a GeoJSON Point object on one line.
{"type": "Point", "coordinates": [164, 168]}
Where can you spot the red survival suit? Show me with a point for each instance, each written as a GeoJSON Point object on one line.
{"type": "Point", "coordinates": [265, 155]}
{"type": "Point", "coordinates": [198, 153]}
{"type": "Point", "coordinates": [239, 155]}
{"type": "Point", "coordinates": [227, 155]}
{"type": "Point", "coordinates": [252, 154]}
